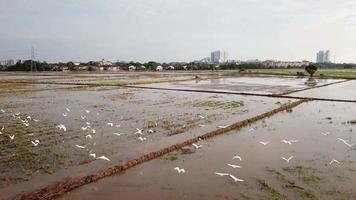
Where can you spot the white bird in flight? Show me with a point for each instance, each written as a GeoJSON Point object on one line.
{"type": "Point", "coordinates": [110, 124]}
{"type": "Point", "coordinates": [139, 131]}
{"type": "Point", "coordinates": [150, 131]}
{"type": "Point", "coordinates": [142, 139]}
{"type": "Point", "coordinates": [12, 137]}
{"type": "Point", "coordinates": [202, 125]}
{"type": "Point", "coordinates": [87, 111]}
{"type": "Point", "coordinates": [344, 141]}
{"type": "Point", "coordinates": [289, 141]}
{"type": "Point", "coordinates": [325, 133]}
{"type": "Point", "coordinates": [2, 110]}
{"type": "Point", "coordinates": [88, 123]}
{"type": "Point", "coordinates": [84, 128]}
{"type": "Point", "coordinates": [35, 143]}
{"type": "Point", "coordinates": [236, 179]}
{"type": "Point", "coordinates": [83, 117]}
{"type": "Point", "coordinates": [287, 160]}
{"type": "Point", "coordinates": [61, 127]}
{"type": "Point", "coordinates": [197, 146]}
{"type": "Point", "coordinates": [234, 166]}
{"type": "Point", "coordinates": [92, 155]}
{"type": "Point", "coordinates": [28, 117]}
{"type": "Point", "coordinates": [103, 158]}
{"type": "Point", "coordinates": [251, 129]}
{"type": "Point", "coordinates": [264, 143]}
{"type": "Point", "coordinates": [334, 161]}
{"type": "Point", "coordinates": [65, 114]}
{"type": "Point", "coordinates": [201, 116]}
{"type": "Point", "coordinates": [118, 134]}
{"type": "Point", "coordinates": [80, 147]}
{"type": "Point", "coordinates": [36, 120]}
{"type": "Point", "coordinates": [67, 109]}
{"type": "Point", "coordinates": [93, 131]}
{"type": "Point", "coordinates": [237, 157]}
{"type": "Point", "coordinates": [89, 136]}
{"type": "Point", "coordinates": [179, 170]}
{"type": "Point", "coordinates": [231, 176]}
{"type": "Point", "coordinates": [222, 174]}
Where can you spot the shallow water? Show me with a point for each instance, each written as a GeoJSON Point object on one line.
{"type": "Point", "coordinates": [255, 84]}
{"type": "Point", "coordinates": [309, 169]}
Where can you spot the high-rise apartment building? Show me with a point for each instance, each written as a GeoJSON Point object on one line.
{"type": "Point", "coordinates": [323, 57]}
{"type": "Point", "coordinates": [218, 56]}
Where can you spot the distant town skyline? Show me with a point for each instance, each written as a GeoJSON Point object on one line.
{"type": "Point", "coordinates": [176, 30]}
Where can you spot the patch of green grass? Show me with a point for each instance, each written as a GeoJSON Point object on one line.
{"type": "Point", "coordinates": [306, 174]}
{"type": "Point", "coordinates": [291, 184]}
{"type": "Point", "coordinates": [275, 194]}
{"type": "Point", "coordinates": [170, 157]}
{"type": "Point", "coordinates": [185, 151]}
{"type": "Point", "coordinates": [303, 192]}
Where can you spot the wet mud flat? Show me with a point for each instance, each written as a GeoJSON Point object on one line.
{"type": "Point", "coordinates": [316, 138]}
{"type": "Point", "coordinates": [105, 121]}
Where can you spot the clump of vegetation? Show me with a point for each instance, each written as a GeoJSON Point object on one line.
{"type": "Point", "coordinates": [218, 104]}
{"type": "Point", "coordinates": [306, 174]}
{"type": "Point", "coordinates": [185, 151]}
{"type": "Point", "coordinates": [170, 157]}
{"type": "Point", "coordinates": [275, 194]}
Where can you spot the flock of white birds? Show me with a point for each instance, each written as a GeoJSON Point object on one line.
{"type": "Point", "coordinates": [26, 120]}
{"type": "Point", "coordinates": [264, 143]}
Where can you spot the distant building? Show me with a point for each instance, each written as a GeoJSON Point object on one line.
{"type": "Point", "coordinates": [218, 56]}
{"type": "Point", "coordinates": [7, 63]}
{"type": "Point", "coordinates": [205, 60]}
{"type": "Point", "coordinates": [284, 64]}
{"type": "Point", "coordinates": [159, 68]}
{"type": "Point", "coordinates": [323, 57]}
{"type": "Point", "coordinates": [104, 62]}
{"type": "Point", "coordinates": [132, 68]}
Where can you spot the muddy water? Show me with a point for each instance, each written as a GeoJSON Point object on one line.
{"type": "Point", "coordinates": [256, 84]}
{"type": "Point", "coordinates": [346, 91]}
{"type": "Point", "coordinates": [308, 175]}
{"type": "Point", "coordinates": [177, 114]}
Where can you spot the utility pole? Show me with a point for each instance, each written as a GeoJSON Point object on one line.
{"type": "Point", "coordinates": [32, 58]}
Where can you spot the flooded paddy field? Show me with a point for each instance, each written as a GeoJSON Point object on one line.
{"type": "Point", "coordinates": [345, 91]}
{"type": "Point", "coordinates": [320, 165]}
{"type": "Point", "coordinates": [51, 128]}
{"type": "Point", "coordinates": [105, 121]}
{"type": "Point", "coordinates": [243, 84]}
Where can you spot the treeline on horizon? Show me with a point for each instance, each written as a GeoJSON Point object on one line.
{"type": "Point", "coordinates": [150, 66]}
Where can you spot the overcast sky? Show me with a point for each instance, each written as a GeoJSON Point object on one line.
{"type": "Point", "coordinates": [177, 30]}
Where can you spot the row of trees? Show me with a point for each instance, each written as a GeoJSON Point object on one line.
{"type": "Point", "coordinates": [151, 66]}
